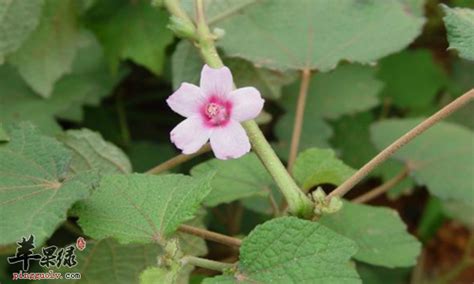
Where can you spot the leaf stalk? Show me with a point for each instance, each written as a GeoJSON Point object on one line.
{"type": "Point", "coordinates": [400, 142]}
{"type": "Point", "coordinates": [207, 263]}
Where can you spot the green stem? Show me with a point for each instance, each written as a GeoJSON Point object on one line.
{"type": "Point", "coordinates": [299, 204]}
{"type": "Point", "coordinates": [175, 9]}
{"type": "Point", "coordinates": [207, 263]}
{"type": "Point", "coordinates": [206, 39]}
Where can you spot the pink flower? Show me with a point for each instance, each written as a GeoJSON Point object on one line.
{"type": "Point", "coordinates": [213, 112]}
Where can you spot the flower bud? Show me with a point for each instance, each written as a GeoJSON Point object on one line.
{"type": "Point", "coordinates": [323, 206]}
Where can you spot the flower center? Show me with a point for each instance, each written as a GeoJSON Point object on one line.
{"type": "Point", "coordinates": [217, 113]}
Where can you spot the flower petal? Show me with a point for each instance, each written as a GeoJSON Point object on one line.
{"type": "Point", "coordinates": [216, 82]}
{"type": "Point", "coordinates": [230, 141]}
{"type": "Point", "coordinates": [190, 135]}
{"type": "Point", "coordinates": [186, 100]}
{"type": "Point", "coordinates": [247, 103]}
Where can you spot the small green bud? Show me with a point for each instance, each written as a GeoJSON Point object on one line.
{"type": "Point", "coordinates": [182, 27]}
{"type": "Point", "coordinates": [335, 204]}
{"type": "Point", "coordinates": [171, 253]}
{"type": "Point", "coordinates": [218, 33]}
{"type": "Point", "coordinates": [322, 206]}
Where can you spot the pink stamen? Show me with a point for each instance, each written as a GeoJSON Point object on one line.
{"type": "Point", "coordinates": [216, 112]}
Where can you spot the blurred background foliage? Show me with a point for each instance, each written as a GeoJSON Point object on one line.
{"type": "Point", "coordinates": [109, 65]}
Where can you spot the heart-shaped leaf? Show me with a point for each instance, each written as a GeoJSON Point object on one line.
{"type": "Point", "coordinates": [35, 189]}
{"type": "Point", "coordinates": [141, 208]}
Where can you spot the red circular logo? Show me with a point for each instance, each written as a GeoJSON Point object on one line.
{"type": "Point", "coordinates": [81, 243]}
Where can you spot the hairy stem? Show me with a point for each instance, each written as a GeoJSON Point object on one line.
{"type": "Point", "coordinates": [206, 38]}
{"type": "Point", "coordinates": [211, 236]}
{"type": "Point", "coordinates": [298, 124]}
{"type": "Point", "coordinates": [177, 160]}
{"type": "Point", "coordinates": [207, 263]}
{"type": "Point", "coordinates": [400, 142]}
{"type": "Point", "coordinates": [379, 190]}
{"type": "Point", "coordinates": [174, 7]}
{"type": "Point", "coordinates": [299, 204]}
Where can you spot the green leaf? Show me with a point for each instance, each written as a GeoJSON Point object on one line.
{"type": "Point", "coordinates": [223, 279]}
{"type": "Point", "coordinates": [376, 274]}
{"type": "Point", "coordinates": [19, 103]}
{"type": "Point", "coordinates": [415, 6]}
{"type": "Point", "coordinates": [192, 245]}
{"type": "Point", "coordinates": [35, 191]}
{"type": "Point", "coordinates": [265, 203]}
{"type": "Point", "coordinates": [460, 25]}
{"type": "Point", "coordinates": [352, 140]}
{"type": "Point", "coordinates": [432, 218]}
{"type": "Point", "coordinates": [268, 82]}
{"type": "Point", "coordinates": [90, 80]}
{"type": "Point", "coordinates": [144, 155]}
{"type": "Point", "coordinates": [457, 210]}
{"type": "Point", "coordinates": [91, 152]}
{"type": "Point", "coordinates": [4, 137]}
{"type": "Point", "coordinates": [463, 116]}
{"type": "Point", "coordinates": [141, 208]}
{"type": "Point", "coordinates": [321, 33]}
{"type": "Point", "coordinates": [389, 170]}
{"type": "Point", "coordinates": [315, 133]}
{"type": "Point", "coordinates": [135, 31]}
{"type": "Point", "coordinates": [461, 76]}
{"type": "Point", "coordinates": [442, 158]}
{"type": "Point", "coordinates": [87, 84]}
{"type": "Point", "coordinates": [17, 20]}
{"type": "Point", "coordinates": [171, 267]}
{"type": "Point", "coordinates": [234, 179]}
{"type": "Point", "coordinates": [379, 233]}
{"type": "Point", "coordinates": [187, 65]}
{"type": "Point", "coordinates": [412, 78]}
{"type": "Point", "coordinates": [291, 250]}
{"type": "Point", "coordinates": [330, 95]}
{"type": "Point", "coordinates": [175, 274]}
{"type": "Point", "coordinates": [463, 3]}
{"type": "Point", "coordinates": [318, 166]}
{"type": "Point", "coordinates": [106, 260]}
{"type": "Point", "coordinates": [157, 275]}
{"type": "Point", "coordinates": [49, 52]}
